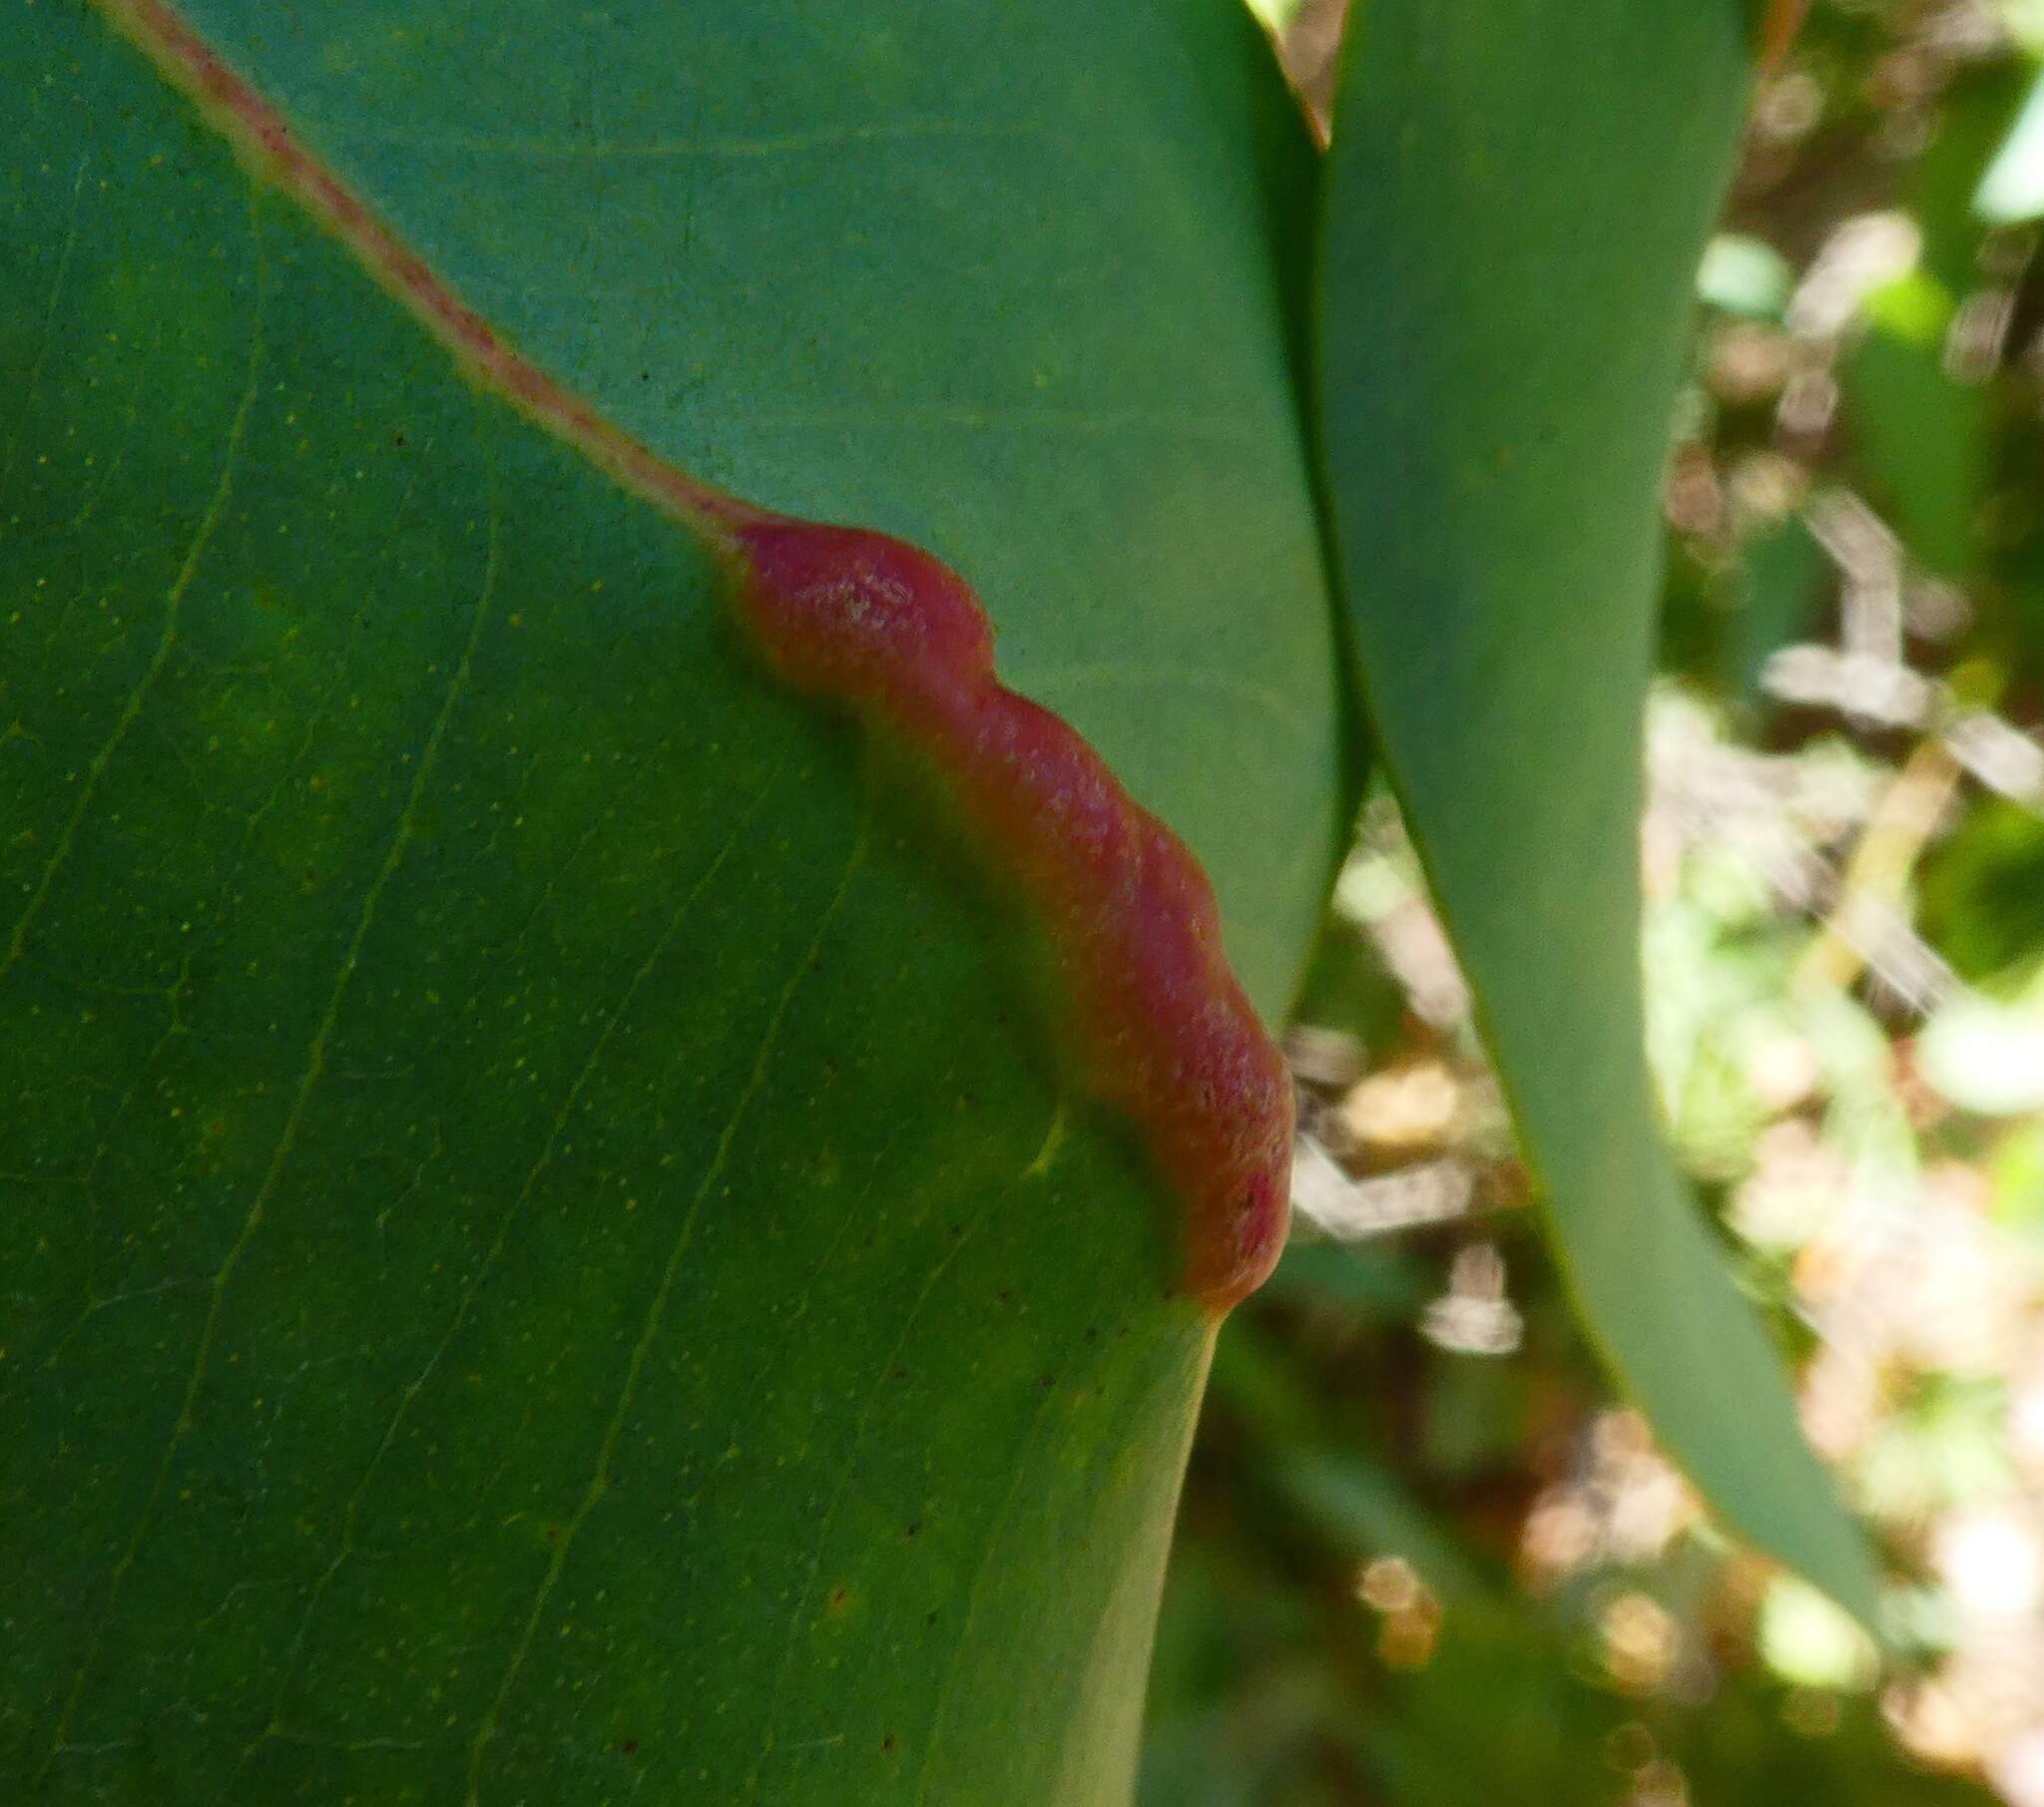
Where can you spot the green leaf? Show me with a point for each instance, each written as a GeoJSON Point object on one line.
{"type": "Point", "coordinates": [1776, 592]}
{"type": "Point", "coordinates": [1942, 193]}
{"type": "Point", "coordinates": [1515, 203]}
{"type": "Point", "coordinates": [550, 1254]}
{"type": "Point", "coordinates": [1024, 310]}
{"type": "Point", "coordinates": [1919, 439]}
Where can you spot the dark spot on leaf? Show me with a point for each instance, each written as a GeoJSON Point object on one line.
{"type": "Point", "coordinates": [630, 1748]}
{"type": "Point", "coordinates": [888, 1745]}
{"type": "Point", "coordinates": [913, 1528]}
{"type": "Point", "coordinates": [929, 1619]}
{"type": "Point", "coordinates": [1046, 1381]}
{"type": "Point", "coordinates": [840, 1597]}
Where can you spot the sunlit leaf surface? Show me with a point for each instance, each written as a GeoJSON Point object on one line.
{"type": "Point", "coordinates": [548, 1256]}
{"type": "Point", "coordinates": [1517, 199]}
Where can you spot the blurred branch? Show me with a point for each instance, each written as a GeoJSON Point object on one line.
{"type": "Point", "coordinates": [1867, 925]}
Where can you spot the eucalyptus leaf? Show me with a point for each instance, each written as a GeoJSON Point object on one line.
{"type": "Point", "coordinates": [1516, 201]}
{"type": "Point", "coordinates": [550, 1253]}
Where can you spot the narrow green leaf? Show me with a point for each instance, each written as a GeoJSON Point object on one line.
{"type": "Point", "coordinates": [1517, 198]}
{"type": "Point", "coordinates": [1918, 437]}
{"type": "Point", "coordinates": [548, 1256]}
{"type": "Point", "coordinates": [1776, 592]}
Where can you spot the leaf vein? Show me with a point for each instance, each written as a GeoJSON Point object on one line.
{"type": "Point", "coordinates": [167, 639]}
{"type": "Point", "coordinates": [599, 1481]}
{"type": "Point", "coordinates": [351, 1512]}
{"type": "Point", "coordinates": [844, 1472]}
{"type": "Point", "coordinates": [314, 1070]}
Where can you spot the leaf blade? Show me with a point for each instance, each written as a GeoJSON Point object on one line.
{"type": "Point", "coordinates": [549, 1231]}
{"type": "Point", "coordinates": [1515, 209]}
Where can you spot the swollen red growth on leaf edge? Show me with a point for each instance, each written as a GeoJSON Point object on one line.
{"type": "Point", "coordinates": [1162, 1028]}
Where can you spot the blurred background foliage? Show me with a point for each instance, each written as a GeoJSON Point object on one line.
{"type": "Point", "coordinates": [1425, 1557]}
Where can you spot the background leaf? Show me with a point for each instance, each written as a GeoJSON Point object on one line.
{"type": "Point", "coordinates": [1515, 204]}
{"type": "Point", "coordinates": [1921, 437]}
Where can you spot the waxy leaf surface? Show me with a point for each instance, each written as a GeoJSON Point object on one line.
{"type": "Point", "coordinates": [1516, 200]}
{"type": "Point", "coordinates": [550, 1251]}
